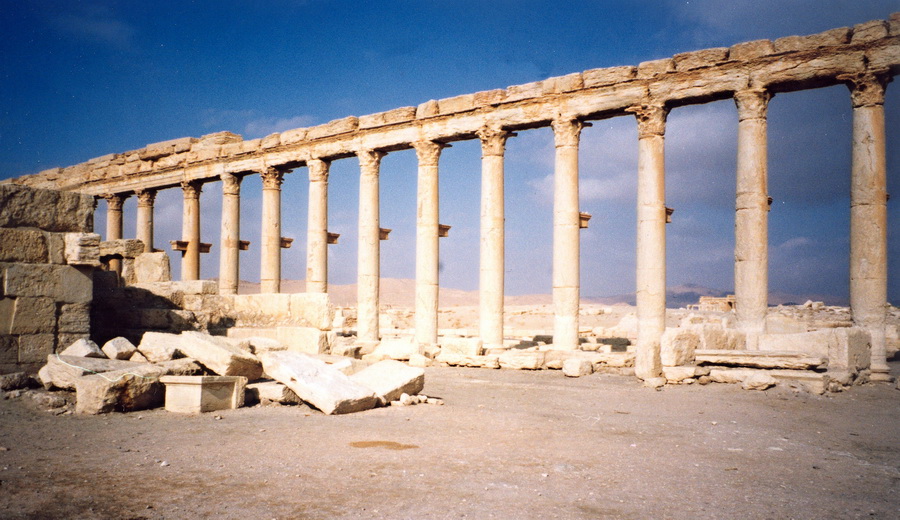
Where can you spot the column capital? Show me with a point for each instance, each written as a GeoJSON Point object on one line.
{"type": "Point", "coordinates": [428, 152]}
{"type": "Point", "coordinates": [191, 189]}
{"type": "Point", "coordinates": [146, 197]}
{"type": "Point", "coordinates": [318, 170]}
{"type": "Point", "coordinates": [866, 88]}
{"type": "Point", "coordinates": [651, 119]}
{"type": "Point", "coordinates": [752, 103]}
{"type": "Point", "coordinates": [231, 183]}
{"type": "Point", "coordinates": [369, 161]}
{"type": "Point", "coordinates": [114, 201]}
{"type": "Point", "coordinates": [272, 178]}
{"type": "Point", "coordinates": [493, 140]}
{"type": "Point", "coordinates": [566, 131]}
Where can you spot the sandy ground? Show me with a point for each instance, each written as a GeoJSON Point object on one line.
{"type": "Point", "coordinates": [507, 444]}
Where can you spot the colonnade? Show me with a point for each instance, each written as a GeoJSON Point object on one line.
{"type": "Point", "coordinates": [868, 227]}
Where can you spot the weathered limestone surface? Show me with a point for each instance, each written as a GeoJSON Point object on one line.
{"type": "Point", "coordinates": [522, 360]}
{"type": "Point", "coordinates": [223, 356]}
{"type": "Point", "coordinates": [152, 267]}
{"type": "Point", "coordinates": [63, 371]}
{"type": "Point", "coordinates": [118, 348]}
{"type": "Point", "coordinates": [136, 388]}
{"type": "Point", "coordinates": [389, 379]}
{"type": "Point", "coordinates": [84, 348]}
{"type": "Point", "coordinates": [395, 348]}
{"type": "Point", "coordinates": [198, 394]}
{"type": "Point", "coordinates": [159, 346]}
{"type": "Point", "coordinates": [677, 346]}
{"type": "Point", "coordinates": [761, 359]}
{"type": "Point", "coordinates": [46, 210]}
{"type": "Point", "coordinates": [270, 391]}
{"type": "Point", "coordinates": [317, 383]}
{"type": "Point", "coordinates": [462, 346]}
{"type": "Point", "coordinates": [577, 367]}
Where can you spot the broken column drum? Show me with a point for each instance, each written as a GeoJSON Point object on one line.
{"type": "Point", "coordinates": [864, 57]}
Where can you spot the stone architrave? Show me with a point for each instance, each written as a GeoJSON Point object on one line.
{"type": "Point", "coordinates": [190, 230]}
{"type": "Point", "coordinates": [318, 383]}
{"type": "Point", "coordinates": [651, 239]}
{"type": "Point", "coordinates": [369, 256]}
{"type": "Point", "coordinates": [317, 227]}
{"type": "Point", "coordinates": [868, 214]}
{"type": "Point", "coordinates": [566, 239]}
{"type": "Point", "coordinates": [229, 261]}
{"type": "Point", "coordinates": [427, 242]}
{"type": "Point", "coordinates": [270, 239]}
{"type": "Point", "coordinates": [145, 201]}
{"type": "Point", "coordinates": [751, 236]}
{"type": "Point", "coordinates": [492, 260]}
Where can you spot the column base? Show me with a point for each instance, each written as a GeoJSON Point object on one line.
{"type": "Point", "coordinates": [880, 376]}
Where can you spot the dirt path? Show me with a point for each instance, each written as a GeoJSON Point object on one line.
{"type": "Point", "coordinates": [507, 444]}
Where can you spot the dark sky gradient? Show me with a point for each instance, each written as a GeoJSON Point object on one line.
{"type": "Point", "coordinates": [82, 79]}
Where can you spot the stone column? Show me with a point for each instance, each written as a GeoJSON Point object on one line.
{"type": "Point", "coordinates": [566, 226]}
{"type": "Point", "coordinates": [493, 142]}
{"type": "Point", "coordinates": [270, 239]}
{"type": "Point", "coordinates": [317, 227]}
{"type": "Point", "coordinates": [751, 220]}
{"type": "Point", "coordinates": [229, 261]}
{"type": "Point", "coordinates": [190, 230]}
{"type": "Point", "coordinates": [427, 249]}
{"type": "Point", "coordinates": [369, 255]}
{"type": "Point", "coordinates": [145, 201]}
{"type": "Point", "coordinates": [868, 215]}
{"type": "Point", "coordinates": [651, 239]}
{"type": "Point", "coordinates": [114, 204]}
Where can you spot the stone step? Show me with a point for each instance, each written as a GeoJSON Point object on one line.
{"type": "Point", "coordinates": [803, 380]}
{"type": "Point", "coordinates": [761, 359]}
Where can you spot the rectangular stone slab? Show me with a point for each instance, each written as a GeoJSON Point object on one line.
{"type": "Point", "coordinates": [197, 394]}
{"type": "Point", "coordinates": [389, 379]}
{"type": "Point", "coordinates": [220, 355]}
{"type": "Point", "coordinates": [317, 383]}
{"type": "Point", "coordinates": [64, 371]}
{"type": "Point", "coordinates": [760, 359]}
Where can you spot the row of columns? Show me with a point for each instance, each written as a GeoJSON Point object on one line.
{"type": "Point", "coordinates": [868, 228]}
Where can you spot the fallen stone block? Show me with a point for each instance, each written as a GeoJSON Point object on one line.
{"type": "Point", "coordinates": [760, 381]}
{"type": "Point", "coordinates": [152, 268]}
{"type": "Point", "coordinates": [348, 366]}
{"type": "Point", "coordinates": [522, 360]}
{"type": "Point", "coordinates": [15, 381]}
{"type": "Point", "coordinates": [259, 344]}
{"type": "Point", "coordinates": [63, 371]}
{"type": "Point", "coordinates": [221, 355]}
{"type": "Point", "coordinates": [270, 391]}
{"type": "Point", "coordinates": [317, 383]}
{"type": "Point", "coordinates": [803, 380]}
{"type": "Point", "coordinates": [389, 379]}
{"type": "Point", "coordinates": [461, 360]}
{"type": "Point", "coordinates": [136, 388]}
{"type": "Point", "coordinates": [198, 394]}
{"type": "Point", "coordinates": [733, 375]}
{"type": "Point", "coordinates": [464, 346]}
{"type": "Point", "coordinates": [83, 348]}
{"type": "Point", "coordinates": [683, 373]}
{"type": "Point", "coordinates": [677, 346]}
{"type": "Point", "coordinates": [577, 367]}
{"type": "Point", "coordinates": [119, 348]}
{"type": "Point", "coordinates": [395, 348]}
{"type": "Point", "coordinates": [308, 340]}
{"type": "Point", "coordinates": [761, 359]}
{"type": "Point", "coordinates": [420, 361]}
{"type": "Point", "coordinates": [159, 346]}
{"type": "Point", "coordinates": [554, 359]}
{"type": "Point", "coordinates": [138, 357]}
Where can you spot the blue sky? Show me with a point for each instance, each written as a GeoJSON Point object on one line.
{"type": "Point", "coordinates": [86, 78]}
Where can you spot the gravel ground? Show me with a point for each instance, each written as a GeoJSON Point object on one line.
{"type": "Point", "coordinates": [506, 444]}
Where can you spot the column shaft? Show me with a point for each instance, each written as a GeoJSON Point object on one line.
{"type": "Point", "coordinates": [146, 199]}
{"type": "Point", "coordinates": [114, 204]}
{"type": "Point", "coordinates": [751, 238]}
{"type": "Point", "coordinates": [491, 273]}
{"type": "Point", "coordinates": [190, 230]}
{"type": "Point", "coordinates": [317, 228]}
{"type": "Point", "coordinates": [369, 255]}
{"type": "Point", "coordinates": [868, 217]}
{"type": "Point", "coordinates": [651, 239]}
{"type": "Point", "coordinates": [270, 240]}
{"type": "Point", "coordinates": [229, 261]}
{"type": "Point", "coordinates": [566, 231]}
{"type": "Point", "coordinates": [427, 249]}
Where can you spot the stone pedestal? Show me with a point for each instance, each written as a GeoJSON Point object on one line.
{"type": "Point", "coordinates": [197, 394]}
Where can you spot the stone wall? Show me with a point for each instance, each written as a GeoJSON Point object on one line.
{"type": "Point", "coordinates": [47, 258]}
